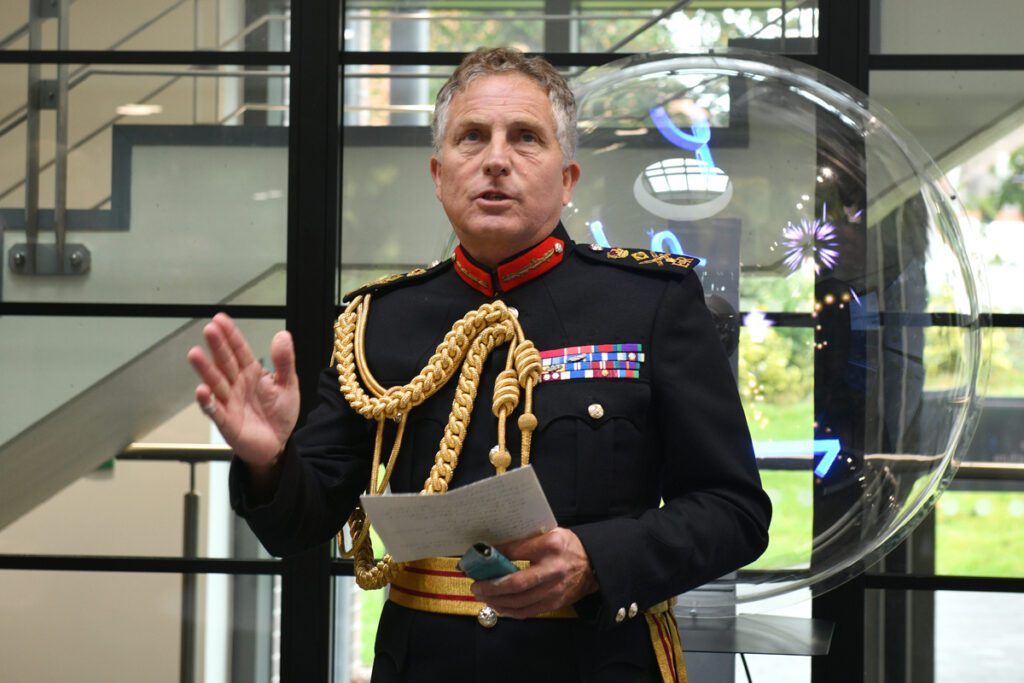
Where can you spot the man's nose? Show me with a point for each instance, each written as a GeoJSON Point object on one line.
{"type": "Point", "coordinates": [498, 161]}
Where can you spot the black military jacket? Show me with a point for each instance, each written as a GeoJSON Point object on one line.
{"type": "Point", "coordinates": [676, 433]}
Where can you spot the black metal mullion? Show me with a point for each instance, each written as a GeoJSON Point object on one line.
{"type": "Point", "coordinates": [843, 47]}
{"type": "Point", "coordinates": [312, 250]}
{"type": "Point", "coordinates": [915, 582]}
{"type": "Point", "coordinates": [135, 57]}
{"type": "Point", "coordinates": [838, 409]}
{"type": "Point", "coordinates": [138, 310]}
{"type": "Point", "coordinates": [148, 564]}
{"type": "Point", "coordinates": [558, 59]}
{"type": "Point", "coordinates": [946, 62]}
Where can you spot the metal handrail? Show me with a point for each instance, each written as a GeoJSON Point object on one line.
{"type": "Point", "coordinates": [179, 452]}
{"type": "Point", "coordinates": [197, 453]}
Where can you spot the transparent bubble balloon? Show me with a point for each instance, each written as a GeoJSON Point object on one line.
{"type": "Point", "coordinates": [835, 259]}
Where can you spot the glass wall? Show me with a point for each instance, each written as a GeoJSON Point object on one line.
{"type": "Point", "coordinates": [140, 191]}
{"type": "Point", "coordinates": [175, 180]}
{"type": "Point", "coordinates": [187, 25]}
{"type": "Point", "coordinates": [105, 626]}
{"type": "Point", "coordinates": [591, 26]}
{"type": "Point", "coordinates": [945, 27]}
{"type": "Point", "coordinates": [165, 173]}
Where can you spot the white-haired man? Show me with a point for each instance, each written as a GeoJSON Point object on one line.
{"type": "Point", "coordinates": [638, 437]}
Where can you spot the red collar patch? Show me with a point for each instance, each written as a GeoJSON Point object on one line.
{"type": "Point", "coordinates": [529, 265]}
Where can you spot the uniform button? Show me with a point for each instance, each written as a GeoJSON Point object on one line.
{"type": "Point", "coordinates": [596, 247]}
{"type": "Point", "coordinates": [488, 617]}
{"type": "Point", "coordinates": [595, 410]}
{"type": "Point", "coordinates": [558, 247]}
{"type": "Point", "coordinates": [514, 311]}
{"type": "Point", "coordinates": [633, 609]}
{"type": "Point", "coordinates": [620, 616]}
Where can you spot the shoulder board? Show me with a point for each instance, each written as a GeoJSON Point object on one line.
{"type": "Point", "coordinates": [399, 279]}
{"type": "Point", "coordinates": [638, 259]}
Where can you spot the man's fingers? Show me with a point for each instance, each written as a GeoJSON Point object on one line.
{"type": "Point", "coordinates": [282, 354]}
{"type": "Point", "coordinates": [512, 584]}
{"type": "Point", "coordinates": [235, 340]}
{"type": "Point", "coordinates": [542, 598]}
{"type": "Point", "coordinates": [208, 372]}
{"type": "Point", "coordinates": [502, 596]}
{"type": "Point", "coordinates": [208, 404]}
{"type": "Point", "coordinates": [223, 356]}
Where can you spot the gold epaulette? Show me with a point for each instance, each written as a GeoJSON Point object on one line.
{"type": "Point", "coordinates": [399, 279]}
{"type": "Point", "coordinates": [638, 259]}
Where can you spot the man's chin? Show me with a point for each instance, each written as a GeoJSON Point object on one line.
{"type": "Point", "coordinates": [497, 229]}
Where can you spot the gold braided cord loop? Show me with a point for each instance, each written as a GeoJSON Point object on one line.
{"type": "Point", "coordinates": [528, 367]}
{"type": "Point", "coordinates": [465, 348]}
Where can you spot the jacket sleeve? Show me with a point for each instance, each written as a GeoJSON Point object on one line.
{"type": "Point", "coordinates": [715, 515]}
{"type": "Point", "coordinates": [324, 468]}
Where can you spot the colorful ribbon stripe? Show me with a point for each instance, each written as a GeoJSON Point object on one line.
{"type": "Point", "coordinates": [595, 361]}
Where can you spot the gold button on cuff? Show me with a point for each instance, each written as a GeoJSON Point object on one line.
{"type": "Point", "coordinates": [633, 610]}
{"type": "Point", "coordinates": [487, 617]}
{"type": "Point", "coordinates": [620, 616]}
{"type": "Point", "coordinates": [595, 410]}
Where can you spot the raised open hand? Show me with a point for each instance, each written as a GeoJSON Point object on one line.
{"type": "Point", "coordinates": [254, 410]}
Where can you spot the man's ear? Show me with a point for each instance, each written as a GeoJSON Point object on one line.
{"type": "Point", "coordinates": [570, 176]}
{"type": "Point", "coordinates": [435, 173]}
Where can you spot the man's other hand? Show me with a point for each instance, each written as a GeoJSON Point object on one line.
{"type": "Point", "coordinates": [254, 410]}
{"type": "Point", "coordinates": [559, 574]}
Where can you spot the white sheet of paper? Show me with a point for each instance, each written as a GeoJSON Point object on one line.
{"type": "Point", "coordinates": [494, 510]}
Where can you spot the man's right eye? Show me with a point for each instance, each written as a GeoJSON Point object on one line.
{"type": "Point", "coordinates": [471, 136]}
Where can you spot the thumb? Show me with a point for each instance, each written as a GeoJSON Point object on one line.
{"type": "Point", "coordinates": [282, 354]}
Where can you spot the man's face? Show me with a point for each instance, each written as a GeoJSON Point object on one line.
{"type": "Point", "coordinates": [500, 176]}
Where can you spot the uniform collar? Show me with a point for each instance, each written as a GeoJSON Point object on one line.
{"type": "Point", "coordinates": [516, 270]}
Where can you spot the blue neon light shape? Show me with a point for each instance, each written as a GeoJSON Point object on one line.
{"type": "Point", "coordinates": [666, 240]}
{"type": "Point", "coordinates": [829, 448]}
{"type": "Point", "coordinates": [696, 142]}
{"type": "Point", "coordinates": [659, 241]}
{"type": "Point", "coordinates": [597, 232]}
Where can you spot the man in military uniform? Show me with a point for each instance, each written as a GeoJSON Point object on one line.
{"type": "Point", "coordinates": [638, 437]}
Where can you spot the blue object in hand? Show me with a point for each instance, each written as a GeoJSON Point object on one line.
{"type": "Point", "coordinates": [482, 562]}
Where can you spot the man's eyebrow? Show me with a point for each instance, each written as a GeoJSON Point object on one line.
{"type": "Point", "coordinates": [469, 123]}
{"type": "Point", "coordinates": [518, 122]}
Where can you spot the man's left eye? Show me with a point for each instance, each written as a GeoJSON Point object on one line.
{"type": "Point", "coordinates": [528, 137]}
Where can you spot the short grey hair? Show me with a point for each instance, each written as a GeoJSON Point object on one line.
{"type": "Point", "coordinates": [504, 60]}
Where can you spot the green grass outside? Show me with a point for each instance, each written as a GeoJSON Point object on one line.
{"type": "Point", "coordinates": [980, 533]}
{"type": "Point", "coordinates": [789, 535]}
{"type": "Point", "coordinates": [369, 614]}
